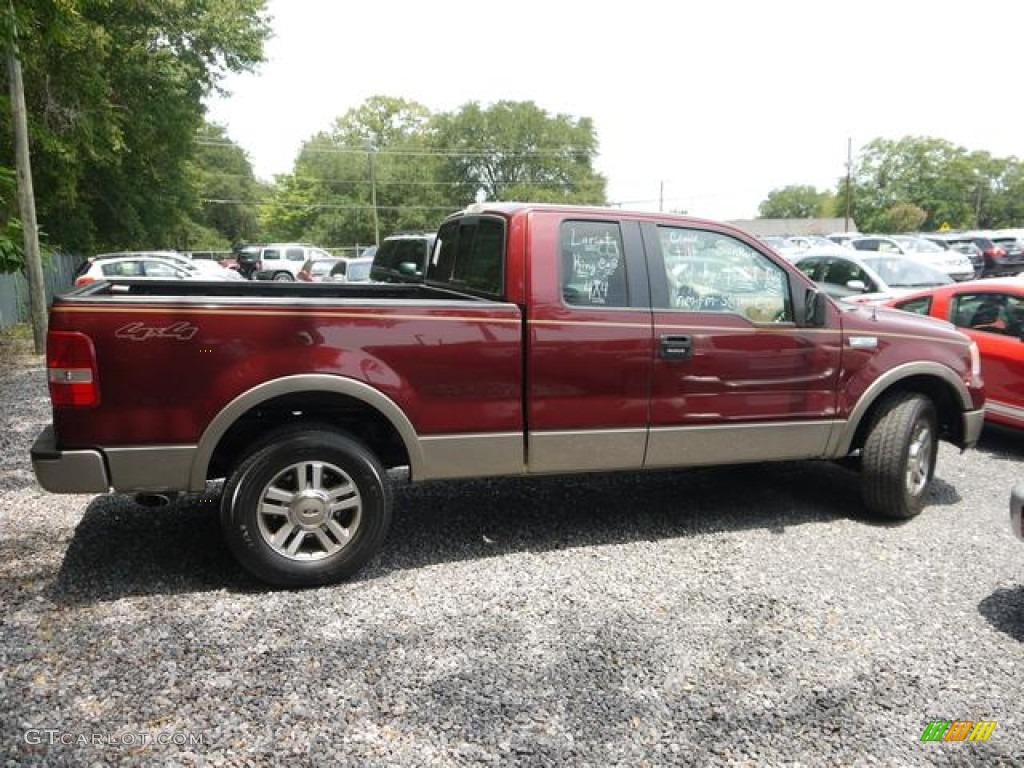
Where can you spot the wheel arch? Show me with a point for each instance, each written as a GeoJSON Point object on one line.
{"type": "Point", "coordinates": [937, 382]}
{"type": "Point", "coordinates": [319, 398]}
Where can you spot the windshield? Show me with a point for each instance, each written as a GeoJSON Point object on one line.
{"type": "Point", "coordinates": [906, 273]}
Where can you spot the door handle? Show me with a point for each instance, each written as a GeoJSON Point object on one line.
{"type": "Point", "coordinates": [675, 347]}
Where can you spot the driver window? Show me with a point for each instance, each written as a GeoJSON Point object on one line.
{"type": "Point", "coordinates": [714, 272]}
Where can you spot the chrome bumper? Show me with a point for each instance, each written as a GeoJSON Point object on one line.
{"type": "Point", "coordinates": [1017, 511]}
{"type": "Point", "coordinates": [67, 471]}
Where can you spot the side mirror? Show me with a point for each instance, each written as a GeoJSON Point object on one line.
{"type": "Point", "coordinates": [857, 285]}
{"type": "Point", "coordinates": [408, 268]}
{"type": "Point", "coordinates": [814, 309]}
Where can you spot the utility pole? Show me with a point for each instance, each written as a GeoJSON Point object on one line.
{"type": "Point", "coordinates": [26, 195]}
{"type": "Point", "coordinates": [849, 170]}
{"type": "Point", "coordinates": [371, 150]}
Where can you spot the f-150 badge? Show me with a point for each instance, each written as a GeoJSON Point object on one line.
{"type": "Point", "coordinates": [181, 331]}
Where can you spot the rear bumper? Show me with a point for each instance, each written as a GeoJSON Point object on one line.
{"type": "Point", "coordinates": [126, 469]}
{"type": "Point", "coordinates": [67, 471]}
{"type": "Point", "coordinates": [1017, 511]}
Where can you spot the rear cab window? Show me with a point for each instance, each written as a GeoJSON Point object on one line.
{"type": "Point", "coordinates": [469, 255]}
{"type": "Point", "coordinates": [592, 264]}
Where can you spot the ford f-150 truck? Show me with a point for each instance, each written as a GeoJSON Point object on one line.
{"type": "Point", "coordinates": [544, 339]}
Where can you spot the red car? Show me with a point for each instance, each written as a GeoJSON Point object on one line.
{"type": "Point", "coordinates": [991, 312]}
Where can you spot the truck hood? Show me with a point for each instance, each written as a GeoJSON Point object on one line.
{"type": "Point", "coordinates": [872, 318]}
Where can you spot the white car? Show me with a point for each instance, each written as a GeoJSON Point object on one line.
{"type": "Point", "coordinates": [867, 277]}
{"type": "Point", "coordinates": [955, 264]}
{"type": "Point", "coordinates": [150, 265]}
{"type": "Point", "coordinates": [210, 270]}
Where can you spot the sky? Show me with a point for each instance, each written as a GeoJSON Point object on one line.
{"type": "Point", "coordinates": [700, 106]}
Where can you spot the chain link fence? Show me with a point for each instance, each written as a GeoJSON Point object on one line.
{"type": "Point", "coordinates": [59, 276]}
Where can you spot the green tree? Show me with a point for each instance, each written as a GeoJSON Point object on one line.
{"type": "Point", "coordinates": [11, 233]}
{"type": "Point", "coordinates": [377, 148]}
{"type": "Point", "coordinates": [952, 186]}
{"type": "Point", "coordinates": [903, 217]}
{"type": "Point", "coordinates": [517, 151]}
{"type": "Point", "coordinates": [796, 202]}
{"type": "Point", "coordinates": [114, 92]}
{"type": "Point", "coordinates": [227, 193]}
{"type": "Point", "coordinates": [423, 166]}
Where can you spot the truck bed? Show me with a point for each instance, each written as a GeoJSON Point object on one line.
{"type": "Point", "coordinates": [248, 290]}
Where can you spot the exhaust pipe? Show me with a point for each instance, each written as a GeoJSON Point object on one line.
{"type": "Point", "coordinates": [154, 500]}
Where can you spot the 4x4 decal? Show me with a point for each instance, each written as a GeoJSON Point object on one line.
{"type": "Point", "coordinates": [181, 331]}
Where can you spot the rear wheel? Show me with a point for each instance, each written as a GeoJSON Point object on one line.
{"type": "Point", "coordinates": [283, 277]}
{"type": "Point", "coordinates": [309, 507]}
{"type": "Point", "coordinates": [899, 455]}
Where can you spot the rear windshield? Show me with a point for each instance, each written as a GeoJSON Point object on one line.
{"type": "Point", "coordinates": [395, 252]}
{"type": "Point", "coordinates": [358, 272]}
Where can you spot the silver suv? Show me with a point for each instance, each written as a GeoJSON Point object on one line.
{"type": "Point", "coordinates": [277, 261]}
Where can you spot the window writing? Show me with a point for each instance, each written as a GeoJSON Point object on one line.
{"type": "Point", "coordinates": [713, 272]}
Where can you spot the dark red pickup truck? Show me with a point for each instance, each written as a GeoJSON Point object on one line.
{"type": "Point", "coordinates": [545, 339]}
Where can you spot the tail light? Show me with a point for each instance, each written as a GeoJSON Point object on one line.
{"type": "Point", "coordinates": [71, 369]}
{"type": "Point", "coordinates": [84, 280]}
{"type": "Point", "coordinates": [975, 362]}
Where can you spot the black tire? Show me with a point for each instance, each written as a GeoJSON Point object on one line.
{"type": "Point", "coordinates": [283, 277]}
{"type": "Point", "coordinates": [898, 458]}
{"type": "Point", "coordinates": [308, 506]}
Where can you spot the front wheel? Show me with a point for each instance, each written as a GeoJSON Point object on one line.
{"type": "Point", "coordinates": [308, 508]}
{"type": "Point", "coordinates": [899, 455]}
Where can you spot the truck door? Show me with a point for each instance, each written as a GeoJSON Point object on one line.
{"type": "Point", "coordinates": [735, 378]}
{"type": "Point", "coordinates": [589, 345]}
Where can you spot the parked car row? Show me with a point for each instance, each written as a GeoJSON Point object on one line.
{"type": "Point", "coordinates": [279, 262]}
{"type": "Point", "coordinates": [151, 265]}
{"type": "Point", "coordinates": [989, 253]}
{"type": "Point", "coordinates": [401, 258]}
{"type": "Point", "coordinates": [995, 253]}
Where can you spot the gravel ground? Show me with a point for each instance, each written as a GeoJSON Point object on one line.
{"type": "Point", "coordinates": [745, 616]}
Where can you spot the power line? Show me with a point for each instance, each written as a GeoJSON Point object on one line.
{"type": "Point", "coordinates": [329, 206]}
{"type": "Point", "coordinates": [419, 152]}
{"type": "Point", "coordinates": [381, 183]}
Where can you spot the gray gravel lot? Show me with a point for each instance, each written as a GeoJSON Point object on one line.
{"type": "Point", "coordinates": [743, 616]}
